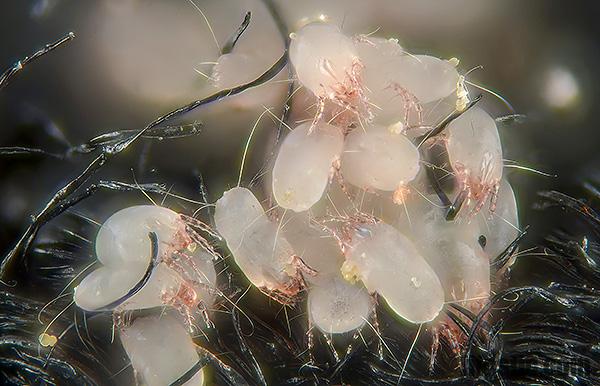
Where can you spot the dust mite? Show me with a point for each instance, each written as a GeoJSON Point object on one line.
{"type": "Point", "coordinates": [182, 272]}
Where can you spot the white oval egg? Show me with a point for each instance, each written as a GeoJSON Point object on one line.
{"type": "Point", "coordinates": [388, 263]}
{"type": "Point", "coordinates": [123, 237]}
{"type": "Point", "coordinates": [257, 246]}
{"type": "Point", "coordinates": [336, 306]}
{"type": "Point", "coordinates": [160, 350]}
{"type": "Point", "coordinates": [304, 163]}
{"type": "Point", "coordinates": [452, 249]}
{"type": "Point", "coordinates": [375, 158]}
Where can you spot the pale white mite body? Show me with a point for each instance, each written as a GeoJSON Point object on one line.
{"type": "Point", "coordinates": [124, 250]}
{"type": "Point", "coordinates": [325, 60]}
{"type": "Point", "coordinates": [160, 350]}
{"type": "Point", "coordinates": [426, 77]}
{"type": "Point", "coordinates": [375, 158]}
{"type": "Point", "coordinates": [335, 305]}
{"type": "Point", "coordinates": [501, 227]}
{"type": "Point", "coordinates": [258, 247]}
{"type": "Point", "coordinates": [317, 248]}
{"type": "Point", "coordinates": [475, 154]}
{"type": "Point", "coordinates": [389, 264]}
{"type": "Point", "coordinates": [452, 249]}
{"type": "Point", "coordinates": [402, 87]}
{"type": "Point", "coordinates": [303, 166]}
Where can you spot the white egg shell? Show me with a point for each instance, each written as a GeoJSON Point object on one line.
{"type": "Point", "coordinates": [304, 163]}
{"type": "Point", "coordinates": [259, 249]}
{"type": "Point", "coordinates": [160, 350]}
{"type": "Point", "coordinates": [336, 306]}
{"type": "Point", "coordinates": [375, 158]}
{"type": "Point", "coordinates": [388, 263]}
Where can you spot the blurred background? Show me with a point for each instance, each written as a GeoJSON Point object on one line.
{"type": "Point", "coordinates": [135, 60]}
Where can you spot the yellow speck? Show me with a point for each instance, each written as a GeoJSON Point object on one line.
{"type": "Point", "coordinates": [47, 340]}
{"type": "Point", "coordinates": [397, 128]}
{"type": "Point", "coordinates": [349, 272]}
{"type": "Point", "coordinates": [192, 247]}
{"type": "Point", "coordinates": [454, 61]}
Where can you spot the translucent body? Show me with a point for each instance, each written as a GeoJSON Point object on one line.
{"type": "Point", "coordinates": [160, 350]}
{"type": "Point", "coordinates": [378, 56]}
{"type": "Point", "coordinates": [462, 268]}
{"type": "Point", "coordinates": [452, 249]}
{"type": "Point", "coordinates": [124, 249]}
{"type": "Point", "coordinates": [428, 78]}
{"type": "Point", "coordinates": [317, 248]}
{"type": "Point", "coordinates": [259, 249]}
{"type": "Point", "coordinates": [336, 306]}
{"type": "Point", "coordinates": [303, 165]}
{"type": "Point", "coordinates": [389, 264]}
{"type": "Point", "coordinates": [123, 237]}
{"type": "Point", "coordinates": [475, 150]}
{"type": "Point", "coordinates": [399, 85]}
{"type": "Point", "coordinates": [501, 227]}
{"type": "Point", "coordinates": [323, 58]}
{"type": "Point", "coordinates": [379, 159]}
{"type": "Point", "coordinates": [152, 50]}
{"type": "Point", "coordinates": [374, 51]}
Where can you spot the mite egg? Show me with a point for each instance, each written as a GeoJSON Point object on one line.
{"type": "Point", "coordinates": [389, 264]}
{"type": "Point", "coordinates": [259, 249]}
{"type": "Point", "coordinates": [375, 158]}
{"type": "Point", "coordinates": [304, 164]}
{"type": "Point", "coordinates": [161, 351]}
{"type": "Point", "coordinates": [336, 306]}
{"type": "Point", "coordinates": [452, 249]}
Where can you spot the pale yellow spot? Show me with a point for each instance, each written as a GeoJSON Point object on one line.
{"type": "Point", "coordinates": [397, 128]}
{"type": "Point", "coordinates": [192, 247]}
{"type": "Point", "coordinates": [349, 272]}
{"type": "Point", "coordinates": [47, 340]}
